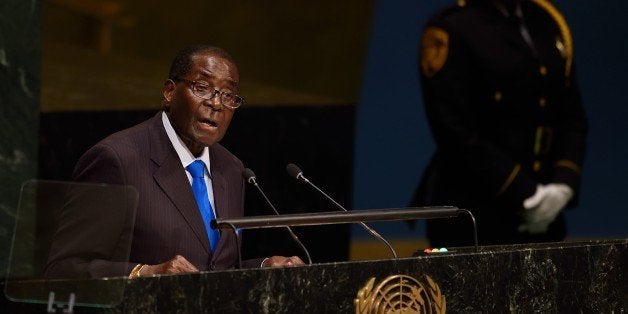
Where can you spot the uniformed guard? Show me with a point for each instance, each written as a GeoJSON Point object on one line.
{"type": "Point", "coordinates": [505, 110]}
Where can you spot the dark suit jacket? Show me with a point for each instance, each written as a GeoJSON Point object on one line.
{"type": "Point", "coordinates": [505, 116]}
{"type": "Point", "coordinates": [167, 220]}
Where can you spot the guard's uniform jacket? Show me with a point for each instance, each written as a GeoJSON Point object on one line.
{"type": "Point", "coordinates": [505, 110]}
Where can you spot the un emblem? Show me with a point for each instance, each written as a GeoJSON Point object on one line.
{"type": "Point", "coordinates": [400, 294]}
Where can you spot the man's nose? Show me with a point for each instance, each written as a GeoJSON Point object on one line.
{"type": "Point", "coordinates": [215, 103]}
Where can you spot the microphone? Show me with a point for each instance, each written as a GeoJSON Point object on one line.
{"type": "Point", "coordinates": [295, 172]}
{"type": "Point", "coordinates": [250, 178]}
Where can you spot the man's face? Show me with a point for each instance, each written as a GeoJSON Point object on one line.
{"type": "Point", "coordinates": [200, 122]}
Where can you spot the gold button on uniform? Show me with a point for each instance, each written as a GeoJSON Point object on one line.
{"type": "Point", "coordinates": [543, 70]}
{"type": "Point", "coordinates": [536, 166]}
{"type": "Point", "coordinates": [542, 102]}
{"type": "Point", "coordinates": [498, 96]}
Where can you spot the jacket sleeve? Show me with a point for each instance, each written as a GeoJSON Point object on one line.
{"type": "Point", "coordinates": [570, 136]}
{"type": "Point", "coordinates": [94, 228]}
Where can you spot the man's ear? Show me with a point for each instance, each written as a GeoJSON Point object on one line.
{"type": "Point", "coordinates": [168, 92]}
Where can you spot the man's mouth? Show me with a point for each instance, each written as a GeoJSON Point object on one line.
{"type": "Point", "coordinates": [208, 122]}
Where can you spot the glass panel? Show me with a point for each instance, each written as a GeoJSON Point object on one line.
{"type": "Point", "coordinates": [71, 238]}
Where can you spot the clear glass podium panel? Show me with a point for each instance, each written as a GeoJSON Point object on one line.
{"type": "Point", "coordinates": [71, 240]}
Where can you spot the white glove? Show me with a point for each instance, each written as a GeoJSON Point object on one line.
{"type": "Point", "coordinates": [532, 223]}
{"type": "Point", "coordinates": [543, 207]}
{"type": "Point", "coordinates": [535, 227]}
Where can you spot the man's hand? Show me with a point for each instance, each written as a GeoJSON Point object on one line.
{"type": "Point", "coordinates": [281, 261]}
{"type": "Point", "coordinates": [543, 207]}
{"type": "Point", "coordinates": [177, 265]}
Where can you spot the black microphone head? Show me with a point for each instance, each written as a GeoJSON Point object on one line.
{"type": "Point", "coordinates": [248, 175]}
{"type": "Point", "coordinates": [294, 171]}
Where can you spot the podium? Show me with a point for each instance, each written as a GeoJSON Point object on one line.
{"type": "Point", "coordinates": [565, 277]}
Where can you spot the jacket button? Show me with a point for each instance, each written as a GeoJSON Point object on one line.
{"type": "Point", "coordinates": [543, 70]}
{"type": "Point", "coordinates": [536, 166]}
{"type": "Point", "coordinates": [542, 102]}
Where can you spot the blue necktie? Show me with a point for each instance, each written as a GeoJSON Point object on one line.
{"type": "Point", "coordinates": [197, 170]}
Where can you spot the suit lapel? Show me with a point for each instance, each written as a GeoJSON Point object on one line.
{"type": "Point", "coordinates": [219, 184]}
{"type": "Point", "coordinates": [171, 178]}
{"type": "Point", "coordinates": [509, 30]}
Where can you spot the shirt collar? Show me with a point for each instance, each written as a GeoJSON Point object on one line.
{"type": "Point", "coordinates": [518, 12]}
{"type": "Point", "coordinates": [185, 156]}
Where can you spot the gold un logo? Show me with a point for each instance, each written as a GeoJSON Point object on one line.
{"type": "Point", "coordinates": [400, 294]}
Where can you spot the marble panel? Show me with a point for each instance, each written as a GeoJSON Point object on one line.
{"type": "Point", "coordinates": [20, 61]}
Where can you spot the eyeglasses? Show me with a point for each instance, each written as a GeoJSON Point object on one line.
{"type": "Point", "coordinates": [202, 90]}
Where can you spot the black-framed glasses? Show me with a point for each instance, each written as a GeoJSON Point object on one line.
{"type": "Point", "coordinates": [205, 91]}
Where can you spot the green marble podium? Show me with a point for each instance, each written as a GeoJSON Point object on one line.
{"type": "Point", "coordinates": [556, 277]}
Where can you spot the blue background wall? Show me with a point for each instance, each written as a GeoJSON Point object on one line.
{"type": "Point", "coordinates": [393, 142]}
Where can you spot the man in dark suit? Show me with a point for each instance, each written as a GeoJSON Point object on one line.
{"type": "Point", "coordinates": [171, 233]}
{"type": "Point", "coordinates": [505, 110]}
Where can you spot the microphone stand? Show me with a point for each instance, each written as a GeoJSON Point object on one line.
{"type": "Point", "coordinates": [295, 171]}
{"type": "Point", "coordinates": [294, 236]}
